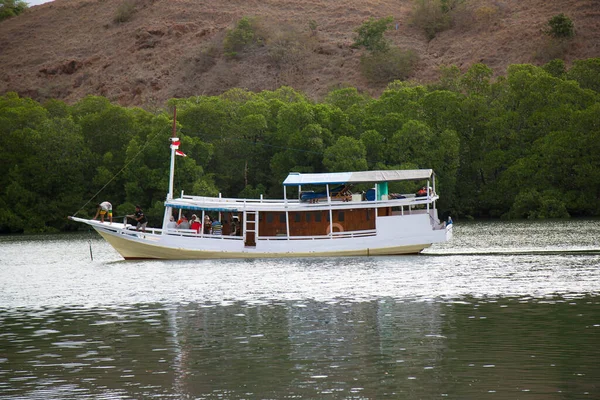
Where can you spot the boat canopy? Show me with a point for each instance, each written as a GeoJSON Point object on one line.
{"type": "Point", "coordinates": [296, 178]}
{"type": "Point", "coordinates": [185, 205]}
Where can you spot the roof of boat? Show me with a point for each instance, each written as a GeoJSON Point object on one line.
{"type": "Point", "coordinates": [297, 178]}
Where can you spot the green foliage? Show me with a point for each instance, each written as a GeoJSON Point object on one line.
{"type": "Point", "coordinates": [347, 154]}
{"type": "Point", "coordinates": [390, 65]}
{"type": "Point", "coordinates": [525, 145]}
{"type": "Point", "coordinates": [11, 8]}
{"type": "Point", "coordinates": [449, 79]}
{"type": "Point", "coordinates": [41, 154]}
{"type": "Point", "coordinates": [555, 68]}
{"type": "Point", "coordinates": [477, 79]}
{"type": "Point", "coordinates": [345, 98]}
{"type": "Point", "coordinates": [433, 16]}
{"type": "Point", "coordinates": [450, 5]}
{"type": "Point", "coordinates": [250, 192]}
{"type": "Point", "coordinates": [124, 11]}
{"type": "Point", "coordinates": [370, 34]}
{"type": "Point", "coordinates": [411, 143]}
{"type": "Point", "coordinates": [560, 26]}
{"type": "Point", "coordinates": [242, 37]}
{"type": "Point", "coordinates": [312, 25]}
{"type": "Point", "coordinates": [531, 204]}
{"type": "Point", "coordinates": [586, 73]}
{"type": "Point", "coordinates": [375, 144]}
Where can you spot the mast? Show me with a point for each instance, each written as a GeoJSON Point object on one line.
{"type": "Point", "coordinates": [174, 146]}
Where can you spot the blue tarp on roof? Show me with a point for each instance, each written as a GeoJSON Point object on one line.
{"type": "Point", "coordinates": [196, 208]}
{"type": "Point", "coordinates": [296, 178]}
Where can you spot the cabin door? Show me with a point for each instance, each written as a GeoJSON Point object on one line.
{"type": "Point", "coordinates": [250, 221]}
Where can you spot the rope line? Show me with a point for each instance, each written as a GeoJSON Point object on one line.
{"type": "Point", "coordinates": [117, 174]}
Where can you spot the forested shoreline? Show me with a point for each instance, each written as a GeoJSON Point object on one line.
{"type": "Point", "coordinates": [524, 145]}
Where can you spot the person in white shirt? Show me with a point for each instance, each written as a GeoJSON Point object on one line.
{"type": "Point", "coordinates": [172, 224]}
{"type": "Point", "coordinates": [104, 208]}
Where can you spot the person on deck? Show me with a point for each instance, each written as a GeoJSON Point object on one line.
{"type": "Point", "coordinates": [195, 225]}
{"type": "Point", "coordinates": [104, 208]}
{"type": "Point", "coordinates": [184, 224]}
{"type": "Point", "coordinates": [140, 218]}
{"type": "Point", "coordinates": [207, 224]}
{"type": "Point", "coordinates": [216, 227]}
{"type": "Point", "coordinates": [234, 225]}
{"type": "Point", "coordinates": [172, 224]}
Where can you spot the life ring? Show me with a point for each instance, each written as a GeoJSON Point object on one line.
{"type": "Point", "coordinates": [334, 226]}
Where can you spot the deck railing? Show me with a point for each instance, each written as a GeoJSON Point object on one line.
{"type": "Point", "coordinates": [292, 204]}
{"type": "Point", "coordinates": [190, 233]}
{"type": "Point", "coordinates": [333, 235]}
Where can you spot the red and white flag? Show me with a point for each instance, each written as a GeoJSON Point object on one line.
{"type": "Point", "coordinates": [175, 144]}
{"type": "Point", "coordinates": [180, 153]}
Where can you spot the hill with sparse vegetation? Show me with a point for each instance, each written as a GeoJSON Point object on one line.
{"type": "Point", "coordinates": [144, 52]}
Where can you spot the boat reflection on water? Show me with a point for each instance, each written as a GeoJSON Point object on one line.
{"type": "Point", "coordinates": [304, 348]}
{"type": "Point", "coordinates": [382, 348]}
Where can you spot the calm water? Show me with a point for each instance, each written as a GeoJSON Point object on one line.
{"type": "Point", "coordinates": [504, 311]}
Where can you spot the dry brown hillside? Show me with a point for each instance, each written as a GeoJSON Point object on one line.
{"type": "Point", "coordinates": [68, 49]}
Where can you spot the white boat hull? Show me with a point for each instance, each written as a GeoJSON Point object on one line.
{"type": "Point", "coordinates": [393, 236]}
{"type": "Point", "coordinates": [320, 223]}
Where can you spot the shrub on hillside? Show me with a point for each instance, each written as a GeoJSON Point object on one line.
{"type": "Point", "coordinates": [312, 25]}
{"type": "Point", "coordinates": [124, 12]}
{"type": "Point", "coordinates": [244, 35]}
{"type": "Point", "coordinates": [560, 26]}
{"type": "Point", "coordinates": [485, 13]}
{"type": "Point", "coordinates": [434, 16]}
{"type": "Point", "coordinates": [390, 65]}
{"type": "Point", "coordinates": [286, 46]}
{"type": "Point", "coordinates": [207, 58]}
{"type": "Point", "coordinates": [370, 34]}
{"type": "Point", "coordinates": [11, 8]}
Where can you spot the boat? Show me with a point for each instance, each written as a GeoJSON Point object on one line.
{"type": "Point", "coordinates": [331, 221]}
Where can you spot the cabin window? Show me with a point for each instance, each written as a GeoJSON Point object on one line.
{"type": "Point", "coordinates": [307, 217]}
{"type": "Point", "coordinates": [298, 217]}
{"type": "Point", "coordinates": [340, 216]}
{"type": "Point", "coordinates": [318, 217]}
{"type": "Point", "coordinates": [269, 218]}
{"type": "Point", "coordinates": [282, 218]}
{"type": "Point", "coordinates": [327, 218]}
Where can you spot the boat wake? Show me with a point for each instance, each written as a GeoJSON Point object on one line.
{"type": "Point", "coordinates": [512, 252]}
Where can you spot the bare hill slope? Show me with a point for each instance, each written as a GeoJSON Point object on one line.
{"type": "Point", "coordinates": [173, 48]}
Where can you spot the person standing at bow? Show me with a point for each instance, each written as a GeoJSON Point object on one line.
{"type": "Point", "coordinates": [104, 208]}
